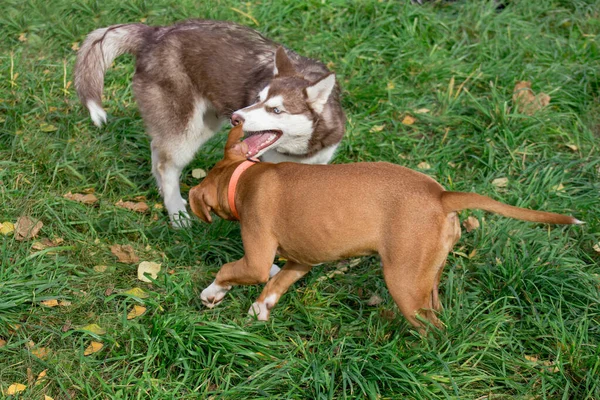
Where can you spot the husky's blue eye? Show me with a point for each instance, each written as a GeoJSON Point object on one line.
{"type": "Point", "coordinates": [276, 110]}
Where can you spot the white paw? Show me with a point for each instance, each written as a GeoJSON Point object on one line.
{"type": "Point", "coordinates": [262, 309]}
{"type": "Point", "coordinates": [214, 294]}
{"type": "Point", "coordinates": [274, 270]}
{"type": "Point", "coordinates": [259, 310]}
{"type": "Point", "coordinates": [180, 220]}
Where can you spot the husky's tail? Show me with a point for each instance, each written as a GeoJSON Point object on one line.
{"type": "Point", "coordinates": [95, 56]}
{"type": "Point", "coordinates": [456, 201]}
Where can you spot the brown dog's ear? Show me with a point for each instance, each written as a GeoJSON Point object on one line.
{"type": "Point", "coordinates": [283, 64]}
{"type": "Point", "coordinates": [199, 205]}
{"type": "Point", "coordinates": [234, 146]}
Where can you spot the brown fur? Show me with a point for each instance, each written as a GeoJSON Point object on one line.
{"type": "Point", "coordinates": [312, 214]}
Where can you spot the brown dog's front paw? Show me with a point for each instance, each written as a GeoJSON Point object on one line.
{"type": "Point", "coordinates": [214, 294]}
{"type": "Point", "coordinates": [259, 310]}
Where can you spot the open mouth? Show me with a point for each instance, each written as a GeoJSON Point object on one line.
{"type": "Point", "coordinates": [260, 140]}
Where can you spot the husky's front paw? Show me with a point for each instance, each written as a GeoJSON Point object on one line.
{"type": "Point", "coordinates": [180, 220]}
{"type": "Point", "coordinates": [214, 294]}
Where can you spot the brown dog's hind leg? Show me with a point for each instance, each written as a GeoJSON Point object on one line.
{"type": "Point", "coordinates": [276, 287]}
{"type": "Point", "coordinates": [412, 268]}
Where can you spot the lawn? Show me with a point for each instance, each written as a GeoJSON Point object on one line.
{"type": "Point", "coordinates": [426, 86]}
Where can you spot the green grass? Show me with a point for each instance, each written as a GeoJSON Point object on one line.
{"type": "Point", "coordinates": [522, 301]}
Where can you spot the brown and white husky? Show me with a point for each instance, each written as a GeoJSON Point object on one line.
{"type": "Point", "coordinates": [192, 76]}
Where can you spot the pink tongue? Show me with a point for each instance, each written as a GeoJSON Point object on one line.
{"type": "Point", "coordinates": [254, 142]}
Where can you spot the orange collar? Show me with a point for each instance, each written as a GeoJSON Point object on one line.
{"type": "Point", "coordinates": [235, 177]}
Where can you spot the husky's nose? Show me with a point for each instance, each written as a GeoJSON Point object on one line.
{"type": "Point", "coordinates": [236, 119]}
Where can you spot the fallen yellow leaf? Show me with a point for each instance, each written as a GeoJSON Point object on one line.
{"type": "Point", "coordinates": [500, 182]}
{"type": "Point", "coordinates": [94, 347]}
{"type": "Point", "coordinates": [422, 111]}
{"type": "Point", "coordinates": [531, 358]}
{"type": "Point", "coordinates": [424, 165]}
{"type": "Point", "coordinates": [50, 303]}
{"type": "Point", "coordinates": [41, 352]}
{"type": "Point", "coordinates": [2, 342]}
{"type": "Point", "coordinates": [148, 267]}
{"type": "Point", "coordinates": [377, 128]}
{"type": "Point", "coordinates": [596, 247]}
{"type": "Point", "coordinates": [6, 228]}
{"type": "Point", "coordinates": [136, 311]}
{"type": "Point", "coordinates": [46, 397]}
{"type": "Point", "coordinates": [41, 376]}
{"type": "Point", "coordinates": [94, 328]}
{"type": "Point", "coordinates": [391, 85]}
{"type": "Point", "coordinates": [408, 120]}
{"type": "Point", "coordinates": [198, 173]}
{"type": "Point", "coordinates": [100, 268]}
{"type": "Point", "coordinates": [137, 292]}
{"type": "Point", "coordinates": [572, 147]}
{"type": "Point", "coordinates": [15, 388]}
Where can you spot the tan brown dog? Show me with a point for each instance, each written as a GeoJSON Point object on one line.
{"type": "Point", "coordinates": [312, 214]}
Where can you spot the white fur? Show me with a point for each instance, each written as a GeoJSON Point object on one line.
{"type": "Point", "coordinates": [213, 294]}
{"type": "Point", "coordinates": [321, 157]}
{"type": "Point", "coordinates": [201, 127]}
{"type": "Point", "coordinates": [274, 270]}
{"type": "Point", "coordinates": [318, 93]}
{"type": "Point", "coordinates": [262, 95]}
{"type": "Point", "coordinates": [261, 309]}
{"type": "Point", "coordinates": [296, 129]}
{"type": "Point", "coordinates": [97, 113]}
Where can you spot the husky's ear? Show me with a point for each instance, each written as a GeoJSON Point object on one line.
{"type": "Point", "coordinates": [283, 65]}
{"type": "Point", "coordinates": [318, 93]}
{"type": "Point", "coordinates": [200, 201]}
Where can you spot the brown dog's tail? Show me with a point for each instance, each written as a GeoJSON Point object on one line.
{"type": "Point", "coordinates": [94, 57]}
{"type": "Point", "coordinates": [456, 201]}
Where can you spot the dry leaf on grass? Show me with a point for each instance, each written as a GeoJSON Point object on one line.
{"type": "Point", "coordinates": [46, 243]}
{"type": "Point", "coordinates": [41, 352]}
{"type": "Point", "coordinates": [94, 347]}
{"type": "Point", "coordinates": [374, 300]}
{"type": "Point", "coordinates": [596, 247]}
{"type": "Point", "coordinates": [424, 165]}
{"type": "Point", "coordinates": [50, 303]}
{"type": "Point", "coordinates": [140, 207]}
{"type": "Point", "coordinates": [558, 188]}
{"type": "Point", "coordinates": [471, 223]}
{"type": "Point", "coordinates": [15, 388]}
{"type": "Point", "coordinates": [27, 228]}
{"type": "Point", "coordinates": [526, 101]}
{"type": "Point", "coordinates": [150, 268]}
{"type": "Point", "coordinates": [41, 377]}
{"type": "Point", "coordinates": [500, 182]}
{"type": "Point", "coordinates": [137, 292]}
{"type": "Point", "coordinates": [198, 173]}
{"type": "Point", "coordinates": [124, 253]}
{"type": "Point", "coordinates": [572, 147]}
{"type": "Point", "coordinates": [81, 198]}
{"type": "Point", "coordinates": [377, 128]}
{"type": "Point", "coordinates": [94, 328]}
{"type": "Point", "coordinates": [46, 397]}
{"type": "Point", "coordinates": [408, 120]}
{"type": "Point", "coordinates": [100, 268]}
{"type": "Point", "coordinates": [2, 342]}
{"type": "Point", "coordinates": [136, 311]}
{"type": "Point", "coordinates": [422, 111]}
{"type": "Point", "coordinates": [7, 227]}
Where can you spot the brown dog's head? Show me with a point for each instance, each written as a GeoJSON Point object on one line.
{"type": "Point", "coordinates": [211, 193]}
